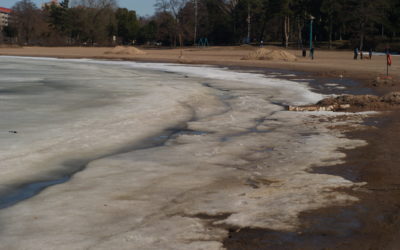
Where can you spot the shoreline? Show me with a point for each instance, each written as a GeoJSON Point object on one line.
{"type": "Point", "coordinates": [350, 154]}
{"type": "Point", "coordinates": [371, 223]}
{"type": "Point", "coordinates": [326, 63]}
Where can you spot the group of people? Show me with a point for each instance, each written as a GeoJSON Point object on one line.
{"type": "Point", "coordinates": [361, 53]}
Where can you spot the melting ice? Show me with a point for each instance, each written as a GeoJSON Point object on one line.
{"type": "Point", "coordinates": [228, 148]}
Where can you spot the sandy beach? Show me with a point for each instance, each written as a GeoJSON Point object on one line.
{"type": "Point", "coordinates": [342, 211]}
{"type": "Point", "coordinates": [328, 63]}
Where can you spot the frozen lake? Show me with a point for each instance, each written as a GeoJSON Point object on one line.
{"type": "Point", "coordinates": [124, 155]}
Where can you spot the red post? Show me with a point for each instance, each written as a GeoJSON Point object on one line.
{"type": "Point", "coordinates": [388, 63]}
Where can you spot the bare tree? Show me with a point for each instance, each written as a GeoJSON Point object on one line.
{"type": "Point", "coordinates": [26, 20]}
{"type": "Point", "coordinates": [196, 15]}
{"type": "Point", "coordinates": [174, 7]}
{"type": "Point", "coordinates": [95, 20]}
{"type": "Point", "coordinates": [228, 5]}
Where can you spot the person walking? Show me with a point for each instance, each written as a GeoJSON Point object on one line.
{"type": "Point", "coordinates": [355, 53]}
{"type": "Point", "coordinates": [370, 54]}
{"type": "Point", "coordinates": [312, 53]}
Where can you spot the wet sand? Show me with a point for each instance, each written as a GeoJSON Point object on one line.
{"type": "Point", "coordinates": [374, 222]}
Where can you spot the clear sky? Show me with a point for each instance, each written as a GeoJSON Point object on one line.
{"type": "Point", "coordinates": [142, 7]}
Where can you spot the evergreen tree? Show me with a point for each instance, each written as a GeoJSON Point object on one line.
{"type": "Point", "coordinates": [127, 25]}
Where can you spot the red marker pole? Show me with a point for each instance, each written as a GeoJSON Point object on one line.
{"type": "Point", "coordinates": [388, 63]}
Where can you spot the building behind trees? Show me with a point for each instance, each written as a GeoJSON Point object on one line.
{"type": "Point", "coordinates": [4, 17]}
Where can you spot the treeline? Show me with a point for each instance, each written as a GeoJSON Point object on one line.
{"type": "Point", "coordinates": [360, 23]}
{"type": "Point", "coordinates": [81, 22]}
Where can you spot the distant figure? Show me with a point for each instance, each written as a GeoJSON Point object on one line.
{"type": "Point", "coordinates": [355, 53]}
{"type": "Point", "coordinates": [312, 53]}
{"type": "Point", "coordinates": [262, 43]}
{"type": "Point", "coordinates": [361, 55]}
{"type": "Point", "coordinates": [370, 53]}
{"type": "Point", "coordinates": [203, 42]}
{"type": "Point", "coordinates": [206, 42]}
{"type": "Point", "coordinates": [304, 52]}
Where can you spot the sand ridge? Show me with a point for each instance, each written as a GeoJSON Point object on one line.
{"type": "Point", "coordinates": [270, 54]}
{"type": "Point", "coordinates": [125, 50]}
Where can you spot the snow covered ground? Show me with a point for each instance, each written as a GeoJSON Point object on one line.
{"type": "Point", "coordinates": [155, 156]}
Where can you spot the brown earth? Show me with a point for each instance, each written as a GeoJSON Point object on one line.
{"type": "Point", "coordinates": [355, 103]}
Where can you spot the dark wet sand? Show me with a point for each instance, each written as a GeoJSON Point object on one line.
{"type": "Point", "coordinates": [372, 223]}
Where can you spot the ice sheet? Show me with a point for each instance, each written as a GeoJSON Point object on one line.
{"type": "Point", "coordinates": [236, 159]}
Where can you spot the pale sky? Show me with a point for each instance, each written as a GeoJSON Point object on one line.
{"type": "Point", "coordinates": [142, 7]}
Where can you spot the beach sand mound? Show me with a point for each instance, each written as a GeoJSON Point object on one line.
{"type": "Point", "coordinates": [392, 98]}
{"type": "Point", "coordinates": [383, 81]}
{"type": "Point", "coordinates": [353, 100]}
{"type": "Point", "coordinates": [353, 103]}
{"type": "Point", "coordinates": [368, 102]}
{"type": "Point", "coordinates": [125, 50]}
{"type": "Point", "coordinates": [270, 54]}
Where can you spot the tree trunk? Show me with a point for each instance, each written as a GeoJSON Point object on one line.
{"type": "Point", "coordinates": [261, 38]}
{"type": "Point", "coordinates": [362, 35]}
{"type": "Point", "coordinates": [195, 22]}
{"type": "Point", "coordinates": [248, 25]}
{"type": "Point", "coordinates": [300, 31]}
{"type": "Point", "coordinates": [180, 40]}
{"type": "Point", "coordinates": [330, 32]}
{"type": "Point", "coordinates": [286, 25]}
